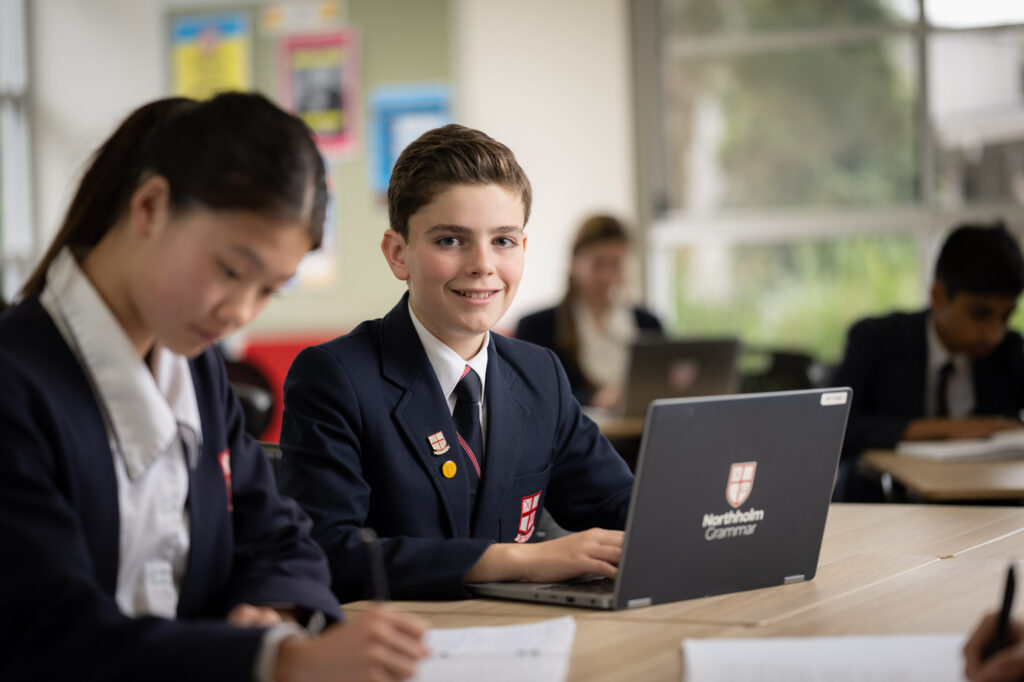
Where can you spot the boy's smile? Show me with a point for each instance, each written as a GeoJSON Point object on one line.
{"type": "Point", "coordinates": [463, 260]}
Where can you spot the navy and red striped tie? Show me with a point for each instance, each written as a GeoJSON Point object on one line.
{"type": "Point", "coordinates": [467, 417]}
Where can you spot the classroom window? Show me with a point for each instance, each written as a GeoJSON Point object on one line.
{"type": "Point", "coordinates": [793, 294]}
{"type": "Point", "coordinates": [807, 158]}
{"type": "Point", "coordinates": [816, 126]}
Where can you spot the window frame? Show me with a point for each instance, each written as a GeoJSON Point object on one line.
{"type": "Point", "coordinates": [665, 229]}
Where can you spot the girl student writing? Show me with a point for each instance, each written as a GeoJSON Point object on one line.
{"type": "Point", "coordinates": [141, 532]}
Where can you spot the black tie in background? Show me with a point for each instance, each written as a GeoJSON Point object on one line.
{"type": "Point", "coordinates": [941, 399]}
{"type": "Point", "coordinates": [467, 418]}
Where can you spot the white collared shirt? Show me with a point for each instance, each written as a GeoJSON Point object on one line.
{"type": "Point", "coordinates": [449, 366]}
{"type": "Point", "coordinates": [604, 350]}
{"type": "Point", "coordinates": [152, 423]}
{"type": "Point", "coordinates": [960, 386]}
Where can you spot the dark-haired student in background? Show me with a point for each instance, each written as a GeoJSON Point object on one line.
{"type": "Point", "coordinates": [953, 370]}
{"type": "Point", "coordinates": [593, 326]}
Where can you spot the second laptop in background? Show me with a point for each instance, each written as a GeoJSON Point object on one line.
{"type": "Point", "coordinates": [679, 368]}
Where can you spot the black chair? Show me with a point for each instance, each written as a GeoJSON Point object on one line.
{"type": "Point", "coordinates": [254, 393]}
{"type": "Point", "coordinates": [785, 370]}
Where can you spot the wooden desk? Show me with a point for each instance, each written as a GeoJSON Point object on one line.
{"type": "Point", "coordinates": [883, 569]}
{"type": "Point", "coordinates": [617, 426]}
{"type": "Point", "coordinates": [951, 481]}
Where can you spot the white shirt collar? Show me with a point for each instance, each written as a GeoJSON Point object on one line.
{"type": "Point", "coordinates": [449, 365]}
{"type": "Point", "coordinates": [938, 354]}
{"type": "Point", "coordinates": [146, 409]}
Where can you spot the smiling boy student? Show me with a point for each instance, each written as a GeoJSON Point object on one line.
{"type": "Point", "coordinates": [953, 370]}
{"type": "Point", "coordinates": [382, 427]}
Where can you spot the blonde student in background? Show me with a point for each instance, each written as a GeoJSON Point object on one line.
{"type": "Point", "coordinates": [142, 534]}
{"type": "Point", "coordinates": [593, 326]}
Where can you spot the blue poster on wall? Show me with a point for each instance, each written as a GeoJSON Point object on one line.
{"type": "Point", "coordinates": [400, 114]}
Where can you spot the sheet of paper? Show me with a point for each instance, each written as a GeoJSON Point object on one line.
{"type": "Point", "coordinates": [538, 652]}
{"type": "Point", "coordinates": [889, 658]}
{"type": "Point", "coordinates": [1007, 444]}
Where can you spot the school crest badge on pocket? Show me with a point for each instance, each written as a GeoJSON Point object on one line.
{"type": "Point", "coordinates": [528, 517]}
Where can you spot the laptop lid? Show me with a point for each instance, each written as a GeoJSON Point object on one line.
{"type": "Point", "coordinates": [673, 368]}
{"type": "Point", "coordinates": [731, 493]}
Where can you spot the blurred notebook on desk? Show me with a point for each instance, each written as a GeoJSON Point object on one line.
{"type": "Point", "coordinates": [1007, 444]}
{"type": "Point", "coordinates": [678, 368]}
{"type": "Point", "coordinates": [730, 494]}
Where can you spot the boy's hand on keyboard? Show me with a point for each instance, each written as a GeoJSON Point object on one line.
{"type": "Point", "coordinates": [594, 551]}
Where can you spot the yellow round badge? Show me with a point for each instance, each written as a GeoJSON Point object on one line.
{"type": "Point", "coordinates": [448, 469]}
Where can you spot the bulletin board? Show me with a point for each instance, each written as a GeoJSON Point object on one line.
{"type": "Point", "coordinates": [327, 61]}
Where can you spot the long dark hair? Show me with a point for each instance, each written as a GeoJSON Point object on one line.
{"type": "Point", "coordinates": [594, 230]}
{"type": "Point", "coordinates": [237, 151]}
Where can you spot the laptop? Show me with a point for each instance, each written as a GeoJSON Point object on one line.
{"type": "Point", "coordinates": [676, 368]}
{"type": "Point", "coordinates": [731, 493]}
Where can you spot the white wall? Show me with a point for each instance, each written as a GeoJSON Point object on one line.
{"type": "Point", "coordinates": [550, 79]}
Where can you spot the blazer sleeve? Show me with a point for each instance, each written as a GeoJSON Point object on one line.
{"type": "Point", "coordinates": [57, 621]}
{"type": "Point", "coordinates": [276, 560]}
{"type": "Point", "coordinates": [539, 328]}
{"type": "Point", "coordinates": [323, 443]}
{"type": "Point", "coordinates": [861, 369]}
{"type": "Point", "coordinates": [590, 482]}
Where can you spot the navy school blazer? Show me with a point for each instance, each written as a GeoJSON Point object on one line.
{"type": "Point", "coordinates": [59, 530]}
{"type": "Point", "coordinates": [359, 414]}
{"type": "Point", "coordinates": [541, 328]}
{"type": "Point", "coordinates": [885, 364]}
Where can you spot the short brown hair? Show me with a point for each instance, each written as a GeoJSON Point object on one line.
{"type": "Point", "coordinates": [446, 156]}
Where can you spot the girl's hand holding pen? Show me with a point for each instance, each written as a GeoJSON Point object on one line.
{"type": "Point", "coordinates": [381, 644]}
{"type": "Point", "coordinates": [1006, 665]}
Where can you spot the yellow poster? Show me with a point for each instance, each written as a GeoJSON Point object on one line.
{"type": "Point", "coordinates": [211, 54]}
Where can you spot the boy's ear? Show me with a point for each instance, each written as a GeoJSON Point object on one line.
{"type": "Point", "coordinates": [394, 248]}
{"type": "Point", "coordinates": [148, 207]}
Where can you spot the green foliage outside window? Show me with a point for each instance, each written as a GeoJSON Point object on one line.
{"type": "Point", "coordinates": [803, 295]}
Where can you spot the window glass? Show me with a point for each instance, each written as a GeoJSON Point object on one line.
{"type": "Point", "coordinates": [799, 295]}
{"type": "Point", "coordinates": [826, 126]}
{"type": "Point", "coordinates": [704, 17]}
{"type": "Point", "coordinates": [976, 93]}
{"type": "Point", "coordinates": [972, 14]}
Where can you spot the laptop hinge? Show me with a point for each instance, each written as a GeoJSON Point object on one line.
{"type": "Point", "coordinates": [790, 579]}
{"type": "Point", "coordinates": [634, 603]}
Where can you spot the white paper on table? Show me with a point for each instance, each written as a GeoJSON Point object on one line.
{"type": "Point", "coordinates": [887, 658]}
{"type": "Point", "coordinates": [538, 652]}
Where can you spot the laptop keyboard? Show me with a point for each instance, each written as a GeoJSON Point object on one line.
{"type": "Point", "coordinates": [594, 586]}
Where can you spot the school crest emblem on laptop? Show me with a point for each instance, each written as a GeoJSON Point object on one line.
{"type": "Point", "coordinates": [741, 482]}
{"type": "Point", "coordinates": [528, 517]}
{"type": "Point", "coordinates": [438, 443]}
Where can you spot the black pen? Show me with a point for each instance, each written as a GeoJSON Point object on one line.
{"type": "Point", "coordinates": [1001, 639]}
{"type": "Point", "coordinates": [378, 576]}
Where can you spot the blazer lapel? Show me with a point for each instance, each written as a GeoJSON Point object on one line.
{"type": "Point", "coordinates": [422, 413]}
{"type": "Point", "coordinates": [502, 451]}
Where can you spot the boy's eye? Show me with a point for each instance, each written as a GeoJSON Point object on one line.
{"type": "Point", "coordinates": [505, 242]}
{"type": "Point", "coordinates": [449, 241]}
